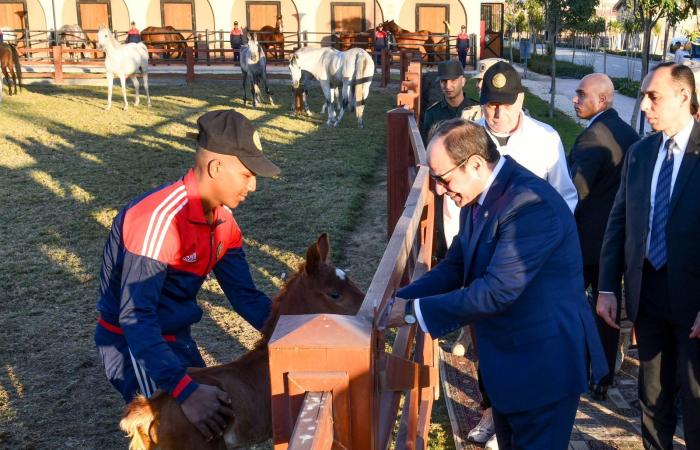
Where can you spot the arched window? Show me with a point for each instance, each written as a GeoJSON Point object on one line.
{"type": "Point", "coordinates": [93, 14]}
{"type": "Point", "coordinates": [13, 15]}
{"type": "Point", "coordinates": [348, 17]}
{"type": "Point", "coordinates": [431, 17]}
{"type": "Point", "coordinates": [178, 14]}
{"type": "Point", "coordinates": [260, 14]}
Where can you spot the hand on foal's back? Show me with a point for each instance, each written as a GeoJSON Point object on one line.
{"type": "Point", "coordinates": [208, 408]}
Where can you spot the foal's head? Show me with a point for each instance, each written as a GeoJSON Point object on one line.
{"type": "Point", "coordinates": [253, 47]}
{"type": "Point", "coordinates": [295, 70]}
{"type": "Point", "coordinates": [104, 35]}
{"type": "Point", "coordinates": [319, 287]}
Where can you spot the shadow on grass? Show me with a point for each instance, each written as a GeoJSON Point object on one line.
{"type": "Point", "coordinates": [67, 167]}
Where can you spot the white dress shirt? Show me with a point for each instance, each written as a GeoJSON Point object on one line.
{"type": "Point", "coordinates": [480, 201]}
{"type": "Point", "coordinates": [592, 119]}
{"type": "Point", "coordinates": [681, 138]}
{"type": "Point", "coordinates": [535, 146]}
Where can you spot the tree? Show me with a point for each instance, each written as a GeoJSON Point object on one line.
{"type": "Point", "coordinates": [647, 13]}
{"type": "Point", "coordinates": [575, 11]}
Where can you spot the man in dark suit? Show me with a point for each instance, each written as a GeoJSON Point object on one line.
{"type": "Point", "coordinates": [596, 161]}
{"type": "Point", "coordinates": [652, 238]}
{"type": "Point", "coordinates": [514, 270]}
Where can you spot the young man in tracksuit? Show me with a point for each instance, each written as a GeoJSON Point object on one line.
{"type": "Point", "coordinates": [463, 46]}
{"type": "Point", "coordinates": [160, 250]}
{"type": "Point", "coordinates": [133, 35]}
{"type": "Point", "coordinates": [236, 42]}
{"type": "Point", "coordinates": [380, 43]}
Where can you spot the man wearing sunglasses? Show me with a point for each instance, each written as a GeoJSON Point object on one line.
{"type": "Point", "coordinates": [531, 143]}
{"type": "Point", "coordinates": [509, 273]}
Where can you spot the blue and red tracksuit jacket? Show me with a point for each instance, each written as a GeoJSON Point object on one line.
{"type": "Point", "coordinates": [159, 252]}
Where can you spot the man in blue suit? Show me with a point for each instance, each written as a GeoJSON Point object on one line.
{"type": "Point", "coordinates": [515, 271]}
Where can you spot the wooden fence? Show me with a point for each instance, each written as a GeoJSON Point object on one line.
{"type": "Point", "coordinates": [333, 382]}
{"type": "Point", "coordinates": [67, 63]}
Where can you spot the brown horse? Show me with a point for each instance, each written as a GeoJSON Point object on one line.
{"type": "Point", "coordinates": [348, 40]}
{"type": "Point", "coordinates": [11, 68]}
{"type": "Point", "coordinates": [273, 38]}
{"type": "Point", "coordinates": [422, 41]}
{"type": "Point", "coordinates": [317, 287]}
{"type": "Point", "coordinates": [168, 38]}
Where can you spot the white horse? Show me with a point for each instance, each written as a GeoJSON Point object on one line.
{"type": "Point", "coordinates": [123, 60]}
{"type": "Point", "coordinates": [254, 65]}
{"type": "Point", "coordinates": [351, 71]}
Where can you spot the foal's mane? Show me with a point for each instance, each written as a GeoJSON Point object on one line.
{"type": "Point", "coordinates": [260, 347]}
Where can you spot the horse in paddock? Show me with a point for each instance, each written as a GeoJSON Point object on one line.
{"type": "Point", "coordinates": [421, 40]}
{"type": "Point", "coordinates": [254, 66]}
{"type": "Point", "coordinates": [273, 38]}
{"type": "Point", "coordinates": [10, 68]}
{"type": "Point", "coordinates": [348, 40]}
{"type": "Point", "coordinates": [168, 38]}
{"type": "Point", "coordinates": [350, 72]}
{"type": "Point", "coordinates": [316, 288]}
{"type": "Point", "coordinates": [123, 60]}
{"type": "Point", "coordinates": [72, 36]}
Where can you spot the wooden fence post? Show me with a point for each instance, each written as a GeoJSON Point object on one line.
{"type": "Point", "coordinates": [57, 51]}
{"type": "Point", "coordinates": [399, 158]}
{"type": "Point", "coordinates": [189, 61]}
{"type": "Point", "coordinates": [386, 67]}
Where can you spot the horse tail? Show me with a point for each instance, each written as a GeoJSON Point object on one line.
{"type": "Point", "coordinates": [18, 65]}
{"type": "Point", "coordinates": [136, 423]}
{"type": "Point", "coordinates": [364, 71]}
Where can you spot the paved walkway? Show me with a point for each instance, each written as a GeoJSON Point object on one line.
{"type": "Point", "coordinates": [539, 85]}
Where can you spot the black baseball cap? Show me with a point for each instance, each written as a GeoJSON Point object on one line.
{"type": "Point", "coordinates": [449, 70]}
{"type": "Point", "coordinates": [228, 132]}
{"type": "Point", "coordinates": [500, 84]}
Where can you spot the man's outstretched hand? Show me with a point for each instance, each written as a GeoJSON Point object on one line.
{"type": "Point", "coordinates": [208, 408]}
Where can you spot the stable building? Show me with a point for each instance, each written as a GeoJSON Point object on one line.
{"type": "Point", "coordinates": [313, 18]}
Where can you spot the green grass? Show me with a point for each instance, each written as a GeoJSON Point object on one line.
{"type": "Point", "coordinates": [67, 166]}
{"type": "Point", "coordinates": [627, 87]}
{"type": "Point", "coordinates": [543, 64]}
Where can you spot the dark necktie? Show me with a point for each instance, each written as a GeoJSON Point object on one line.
{"type": "Point", "coordinates": [476, 208]}
{"type": "Point", "coordinates": [662, 199]}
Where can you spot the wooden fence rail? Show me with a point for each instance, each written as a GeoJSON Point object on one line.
{"type": "Point", "coordinates": [342, 360]}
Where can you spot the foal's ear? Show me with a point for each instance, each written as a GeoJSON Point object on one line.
{"type": "Point", "coordinates": [313, 260]}
{"type": "Point", "coordinates": [324, 247]}
{"type": "Point", "coordinates": [317, 254]}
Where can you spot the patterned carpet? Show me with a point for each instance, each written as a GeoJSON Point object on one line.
{"type": "Point", "coordinates": [609, 425]}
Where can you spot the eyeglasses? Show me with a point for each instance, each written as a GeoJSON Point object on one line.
{"type": "Point", "coordinates": [440, 179]}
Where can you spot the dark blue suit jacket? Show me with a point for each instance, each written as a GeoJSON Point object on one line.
{"type": "Point", "coordinates": [518, 277]}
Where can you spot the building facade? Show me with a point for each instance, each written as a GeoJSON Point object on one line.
{"type": "Point", "coordinates": [311, 16]}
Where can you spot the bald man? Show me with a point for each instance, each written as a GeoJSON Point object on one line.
{"type": "Point", "coordinates": [161, 248]}
{"type": "Point", "coordinates": [596, 161]}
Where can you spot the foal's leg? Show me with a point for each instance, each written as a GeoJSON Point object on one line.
{"type": "Point", "coordinates": [5, 71]}
{"type": "Point", "coordinates": [110, 83]}
{"type": "Point", "coordinates": [245, 93]}
{"type": "Point", "coordinates": [122, 79]}
{"type": "Point", "coordinates": [304, 96]}
{"type": "Point", "coordinates": [135, 80]}
{"type": "Point", "coordinates": [145, 86]}
{"type": "Point", "coordinates": [267, 90]}
{"type": "Point", "coordinates": [328, 94]}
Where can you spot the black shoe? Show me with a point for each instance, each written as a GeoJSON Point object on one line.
{"type": "Point", "coordinates": [599, 392]}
